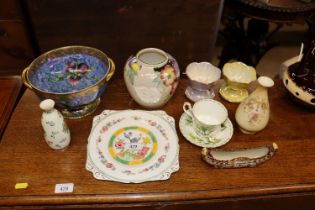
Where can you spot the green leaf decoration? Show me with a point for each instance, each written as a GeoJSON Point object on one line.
{"type": "Point", "coordinates": [188, 121]}
{"type": "Point", "coordinates": [204, 141]}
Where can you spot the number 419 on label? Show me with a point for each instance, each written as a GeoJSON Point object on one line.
{"type": "Point", "coordinates": [64, 188]}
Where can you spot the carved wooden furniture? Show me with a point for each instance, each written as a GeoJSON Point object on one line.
{"type": "Point", "coordinates": [248, 43]}
{"type": "Point", "coordinates": [187, 30]}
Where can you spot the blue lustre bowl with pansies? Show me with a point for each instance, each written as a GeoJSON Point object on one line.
{"type": "Point", "coordinates": [75, 77]}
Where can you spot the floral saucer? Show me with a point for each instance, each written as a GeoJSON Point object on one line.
{"type": "Point", "coordinates": [133, 146]}
{"type": "Point", "coordinates": [218, 139]}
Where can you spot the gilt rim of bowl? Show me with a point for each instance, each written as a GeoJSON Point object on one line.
{"type": "Point", "coordinates": [100, 55]}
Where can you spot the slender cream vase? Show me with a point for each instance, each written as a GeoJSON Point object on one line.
{"type": "Point", "coordinates": [252, 115]}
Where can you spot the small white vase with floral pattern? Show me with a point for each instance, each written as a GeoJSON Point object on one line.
{"type": "Point", "coordinates": [56, 132]}
{"type": "Point", "coordinates": [151, 77]}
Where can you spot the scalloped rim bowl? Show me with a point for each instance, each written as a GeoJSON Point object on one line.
{"type": "Point", "coordinates": [239, 72]}
{"type": "Point", "coordinates": [237, 76]}
{"type": "Point", "coordinates": [203, 72]}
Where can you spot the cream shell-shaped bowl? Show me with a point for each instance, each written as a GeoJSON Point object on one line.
{"type": "Point", "coordinates": [238, 72]}
{"type": "Point", "coordinates": [237, 76]}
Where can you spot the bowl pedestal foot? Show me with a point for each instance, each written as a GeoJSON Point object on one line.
{"type": "Point", "coordinates": [82, 111]}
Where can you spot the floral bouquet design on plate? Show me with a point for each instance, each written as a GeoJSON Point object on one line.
{"type": "Point", "coordinates": [133, 146]}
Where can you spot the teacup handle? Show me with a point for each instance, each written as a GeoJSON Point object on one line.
{"type": "Point", "coordinates": [187, 108]}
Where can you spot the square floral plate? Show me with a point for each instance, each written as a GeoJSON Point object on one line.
{"type": "Point", "coordinates": [133, 146]}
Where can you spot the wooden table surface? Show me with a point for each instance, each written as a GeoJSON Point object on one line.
{"type": "Point", "coordinates": [287, 181]}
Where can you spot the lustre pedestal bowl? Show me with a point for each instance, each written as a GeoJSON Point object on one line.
{"type": "Point", "coordinates": [75, 77]}
{"type": "Point", "coordinates": [202, 77]}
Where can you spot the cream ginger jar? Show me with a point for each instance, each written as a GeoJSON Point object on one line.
{"type": "Point", "coordinates": [151, 77]}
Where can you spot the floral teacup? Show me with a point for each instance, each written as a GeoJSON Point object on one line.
{"type": "Point", "coordinates": [207, 116]}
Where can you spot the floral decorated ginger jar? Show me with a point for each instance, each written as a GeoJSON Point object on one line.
{"type": "Point", "coordinates": [151, 77]}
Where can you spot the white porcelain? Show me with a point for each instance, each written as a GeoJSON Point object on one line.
{"type": "Point", "coordinates": [203, 72]}
{"type": "Point", "coordinates": [56, 132]}
{"type": "Point", "coordinates": [133, 146]}
{"type": "Point", "coordinates": [237, 76]}
{"type": "Point", "coordinates": [151, 77]}
{"type": "Point", "coordinates": [252, 115]}
{"type": "Point", "coordinates": [239, 158]}
{"type": "Point", "coordinates": [202, 77]}
{"type": "Point", "coordinates": [216, 140]}
{"type": "Point", "coordinates": [207, 116]}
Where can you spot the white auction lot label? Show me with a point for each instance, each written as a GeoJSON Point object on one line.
{"type": "Point", "coordinates": [64, 188]}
